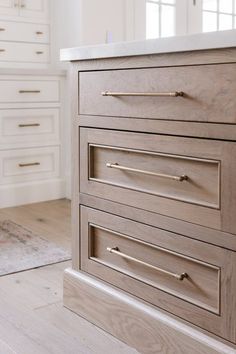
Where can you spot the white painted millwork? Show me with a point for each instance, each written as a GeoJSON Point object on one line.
{"type": "Point", "coordinates": [24, 32]}
{"type": "Point", "coordinates": [9, 7]}
{"type": "Point", "coordinates": [33, 9]}
{"type": "Point", "coordinates": [24, 52]}
{"type": "Point", "coordinates": [29, 91]}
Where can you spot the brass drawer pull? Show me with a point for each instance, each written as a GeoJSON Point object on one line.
{"type": "Point", "coordinates": [2, 29]}
{"type": "Point", "coordinates": [150, 94]}
{"type": "Point", "coordinates": [29, 164]}
{"type": "Point", "coordinates": [39, 32]}
{"type": "Point", "coordinates": [2, 50]}
{"type": "Point", "coordinates": [149, 173]}
{"type": "Point", "coordinates": [116, 251]}
{"type": "Point", "coordinates": [29, 91]}
{"type": "Point", "coordinates": [39, 52]}
{"type": "Point", "coordinates": [29, 125]}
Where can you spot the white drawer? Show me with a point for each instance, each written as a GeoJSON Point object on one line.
{"type": "Point", "coordinates": [25, 126]}
{"type": "Point", "coordinates": [24, 32]}
{"type": "Point", "coordinates": [18, 166]}
{"type": "Point", "coordinates": [24, 52]}
{"type": "Point", "coordinates": [29, 91]}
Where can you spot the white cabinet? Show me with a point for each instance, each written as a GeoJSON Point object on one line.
{"type": "Point", "coordinates": [9, 7]}
{"type": "Point", "coordinates": [33, 9]}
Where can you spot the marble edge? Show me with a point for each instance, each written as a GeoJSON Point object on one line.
{"type": "Point", "coordinates": [199, 41]}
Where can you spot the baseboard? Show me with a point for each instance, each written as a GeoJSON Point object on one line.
{"type": "Point", "coordinates": [34, 192]}
{"type": "Point", "coordinates": [137, 324]}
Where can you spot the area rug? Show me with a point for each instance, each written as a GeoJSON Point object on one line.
{"type": "Point", "coordinates": [21, 249]}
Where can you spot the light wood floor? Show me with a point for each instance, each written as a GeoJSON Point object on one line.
{"type": "Point", "coordinates": [32, 317]}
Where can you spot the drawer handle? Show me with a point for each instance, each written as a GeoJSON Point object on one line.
{"type": "Point", "coordinates": [29, 125]}
{"type": "Point", "coordinates": [39, 32]}
{"type": "Point", "coordinates": [149, 173]}
{"type": "Point", "coordinates": [116, 251]}
{"type": "Point", "coordinates": [39, 52]}
{"type": "Point", "coordinates": [150, 94]}
{"type": "Point", "coordinates": [29, 164]}
{"type": "Point", "coordinates": [29, 91]}
{"type": "Point", "coordinates": [2, 29]}
{"type": "Point", "coordinates": [2, 50]}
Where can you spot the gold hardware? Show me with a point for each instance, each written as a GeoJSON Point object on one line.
{"type": "Point", "coordinates": [2, 29]}
{"type": "Point", "coordinates": [39, 32]}
{"type": "Point", "coordinates": [29, 125]}
{"type": "Point", "coordinates": [149, 173]}
{"type": "Point", "coordinates": [29, 164]}
{"type": "Point", "coordinates": [29, 91]}
{"type": "Point", "coordinates": [16, 4]}
{"type": "Point", "coordinates": [2, 50]}
{"type": "Point", "coordinates": [39, 52]}
{"type": "Point", "coordinates": [150, 94]}
{"type": "Point", "coordinates": [116, 251]}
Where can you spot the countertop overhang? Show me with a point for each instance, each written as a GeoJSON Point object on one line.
{"type": "Point", "coordinates": [200, 41]}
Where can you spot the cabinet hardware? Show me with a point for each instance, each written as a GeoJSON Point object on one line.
{"type": "Point", "coordinates": [29, 164]}
{"type": "Point", "coordinates": [2, 50]}
{"type": "Point", "coordinates": [148, 94]}
{"type": "Point", "coordinates": [29, 125]}
{"type": "Point", "coordinates": [39, 52]}
{"type": "Point", "coordinates": [2, 29]}
{"type": "Point", "coordinates": [39, 32]}
{"type": "Point", "coordinates": [29, 91]}
{"type": "Point", "coordinates": [149, 173]}
{"type": "Point", "coordinates": [116, 251]}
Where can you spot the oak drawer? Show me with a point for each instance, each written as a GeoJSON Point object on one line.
{"type": "Point", "coordinates": [185, 178]}
{"type": "Point", "coordinates": [188, 278]}
{"type": "Point", "coordinates": [209, 93]}
{"type": "Point", "coordinates": [24, 32]}
{"type": "Point", "coordinates": [29, 91]}
{"type": "Point", "coordinates": [23, 165]}
{"type": "Point", "coordinates": [29, 126]}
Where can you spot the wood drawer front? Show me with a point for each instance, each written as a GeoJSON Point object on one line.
{"type": "Point", "coordinates": [29, 126]}
{"type": "Point", "coordinates": [204, 198]}
{"type": "Point", "coordinates": [202, 101]}
{"type": "Point", "coordinates": [201, 298]}
{"type": "Point", "coordinates": [29, 91]}
{"type": "Point", "coordinates": [24, 165]}
{"type": "Point", "coordinates": [24, 52]}
{"type": "Point", "coordinates": [24, 32]}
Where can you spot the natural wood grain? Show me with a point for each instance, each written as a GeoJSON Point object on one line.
{"type": "Point", "coordinates": [137, 324]}
{"type": "Point", "coordinates": [201, 102]}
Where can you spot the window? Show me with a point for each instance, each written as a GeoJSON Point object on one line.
{"type": "Point", "coordinates": [218, 15]}
{"type": "Point", "coordinates": [160, 18]}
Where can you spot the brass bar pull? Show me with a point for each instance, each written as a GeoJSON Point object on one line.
{"type": "Point", "coordinates": [149, 94]}
{"type": "Point", "coordinates": [29, 91]}
{"type": "Point", "coordinates": [39, 32]}
{"type": "Point", "coordinates": [2, 29]}
{"type": "Point", "coordinates": [39, 52]}
{"type": "Point", "coordinates": [116, 251]}
{"type": "Point", "coordinates": [149, 173]}
{"type": "Point", "coordinates": [2, 50]}
{"type": "Point", "coordinates": [29, 164]}
{"type": "Point", "coordinates": [29, 125]}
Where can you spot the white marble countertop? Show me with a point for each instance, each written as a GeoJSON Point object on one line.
{"type": "Point", "coordinates": [200, 41]}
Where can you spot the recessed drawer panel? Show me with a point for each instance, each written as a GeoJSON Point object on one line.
{"type": "Point", "coordinates": [29, 91]}
{"type": "Point", "coordinates": [183, 276]}
{"type": "Point", "coordinates": [24, 52]}
{"type": "Point", "coordinates": [174, 176]}
{"type": "Point", "coordinates": [29, 126]}
{"type": "Point", "coordinates": [29, 164]}
{"type": "Point", "coordinates": [175, 93]}
{"type": "Point", "coordinates": [24, 32]}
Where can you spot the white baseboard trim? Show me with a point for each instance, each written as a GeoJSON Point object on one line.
{"type": "Point", "coordinates": [34, 192]}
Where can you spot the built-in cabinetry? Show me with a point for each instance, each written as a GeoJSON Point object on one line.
{"type": "Point", "coordinates": [154, 199]}
{"type": "Point", "coordinates": [31, 106]}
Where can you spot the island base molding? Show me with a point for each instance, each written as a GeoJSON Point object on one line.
{"type": "Point", "coordinates": [136, 323]}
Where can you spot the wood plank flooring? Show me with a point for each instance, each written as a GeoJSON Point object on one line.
{"type": "Point", "coordinates": [32, 317]}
